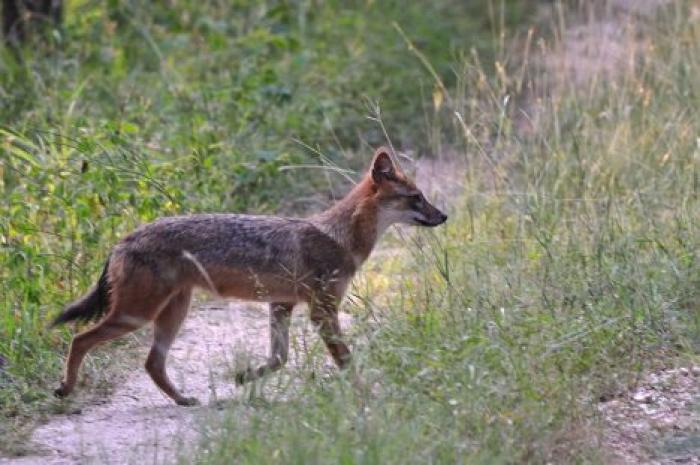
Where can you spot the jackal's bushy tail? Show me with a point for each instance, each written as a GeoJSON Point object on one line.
{"type": "Point", "coordinates": [89, 307]}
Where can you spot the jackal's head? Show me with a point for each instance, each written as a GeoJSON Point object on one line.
{"type": "Point", "coordinates": [398, 199]}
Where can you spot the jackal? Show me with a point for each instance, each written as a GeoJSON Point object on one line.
{"type": "Point", "coordinates": [150, 274]}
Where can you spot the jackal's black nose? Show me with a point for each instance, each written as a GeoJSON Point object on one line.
{"type": "Point", "coordinates": [443, 218]}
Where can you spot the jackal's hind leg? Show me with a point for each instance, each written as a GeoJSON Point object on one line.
{"type": "Point", "coordinates": [114, 325]}
{"type": "Point", "coordinates": [165, 328]}
{"type": "Point", "coordinates": [280, 315]}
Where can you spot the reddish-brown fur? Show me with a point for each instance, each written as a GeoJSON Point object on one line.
{"type": "Point", "coordinates": [285, 261]}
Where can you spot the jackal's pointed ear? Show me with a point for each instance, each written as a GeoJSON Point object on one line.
{"type": "Point", "coordinates": [383, 167]}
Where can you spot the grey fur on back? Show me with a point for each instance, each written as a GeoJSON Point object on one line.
{"type": "Point", "coordinates": [262, 243]}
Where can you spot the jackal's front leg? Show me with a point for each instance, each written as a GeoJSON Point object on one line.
{"type": "Point", "coordinates": [280, 316]}
{"type": "Point", "coordinates": [324, 314]}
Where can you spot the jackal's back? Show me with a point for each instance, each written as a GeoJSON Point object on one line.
{"type": "Point", "coordinates": [263, 244]}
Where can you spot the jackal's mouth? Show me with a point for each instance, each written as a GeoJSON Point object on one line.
{"type": "Point", "coordinates": [423, 222]}
{"type": "Point", "coordinates": [430, 224]}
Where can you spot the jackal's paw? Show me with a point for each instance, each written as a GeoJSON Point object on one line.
{"type": "Point", "coordinates": [187, 401]}
{"type": "Point", "coordinates": [61, 391]}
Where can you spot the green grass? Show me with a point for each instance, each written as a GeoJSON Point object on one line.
{"type": "Point", "coordinates": [137, 110]}
{"type": "Point", "coordinates": [569, 267]}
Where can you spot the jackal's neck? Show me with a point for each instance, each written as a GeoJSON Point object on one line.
{"type": "Point", "coordinates": [353, 221]}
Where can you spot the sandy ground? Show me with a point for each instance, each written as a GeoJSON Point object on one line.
{"type": "Point", "coordinates": [656, 423]}
{"type": "Point", "coordinates": [138, 424]}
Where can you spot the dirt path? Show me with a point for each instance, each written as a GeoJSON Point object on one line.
{"type": "Point", "coordinates": [138, 424]}
{"type": "Point", "coordinates": [657, 423]}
